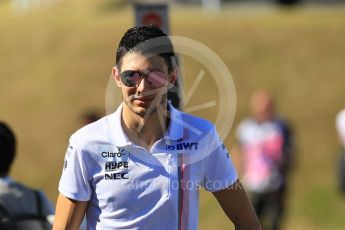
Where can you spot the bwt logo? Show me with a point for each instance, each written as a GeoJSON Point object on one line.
{"type": "Point", "coordinates": [183, 146]}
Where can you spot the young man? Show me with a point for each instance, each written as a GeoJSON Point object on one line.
{"type": "Point", "coordinates": [141, 167]}
{"type": "Point", "coordinates": [18, 200]}
{"type": "Point", "coordinates": [266, 147]}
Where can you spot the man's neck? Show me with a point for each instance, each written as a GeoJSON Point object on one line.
{"type": "Point", "coordinates": [144, 131]}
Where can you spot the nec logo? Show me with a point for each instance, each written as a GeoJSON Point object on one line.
{"type": "Point", "coordinates": [116, 176]}
{"type": "Point", "coordinates": [183, 146]}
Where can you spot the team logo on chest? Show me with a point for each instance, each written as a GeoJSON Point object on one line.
{"type": "Point", "coordinates": [183, 146]}
{"type": "Point", "coordinates": [116, 166]}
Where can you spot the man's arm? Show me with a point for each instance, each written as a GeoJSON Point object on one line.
{"type": "Point", "coordinates": [69, 213]}
{"type": "Point", "coordinates": [237, 207]}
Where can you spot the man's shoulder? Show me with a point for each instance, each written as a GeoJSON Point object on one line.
{"type": "Point", "coordinates": [246, 123]}
{"type": "Point", "coordinates": [16, 189]}
{"type": "Point", "coordinates": [340, 118]}
{"type": "Point", "coordinates": [190, 121]}
{"type": "Point", "coordinates": [282, 124]}
{"type": "Point", "coordinates": [24, 201]}
{"type": "Point", "coordinates": [251, 122]}
{"type": "Point", "coordinates": [14, 185]}
{"type": "Point", "coordinates": [341, 113]}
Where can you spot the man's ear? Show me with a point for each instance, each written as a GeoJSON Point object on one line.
{"type": "Point", "coordinates": [173, 77]}
{"type": "Point", "coordinates": [116, 75]}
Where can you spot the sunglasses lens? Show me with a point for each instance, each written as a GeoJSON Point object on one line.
{"type": "Point", "coordinates": [157, 79]}
{"type": "Point", "coordinates": [130, 78]}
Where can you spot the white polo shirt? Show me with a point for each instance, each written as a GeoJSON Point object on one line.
{"type": "Point", "coordinates": [129, 187]}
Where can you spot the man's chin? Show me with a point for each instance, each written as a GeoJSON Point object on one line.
{"type": "Point", "coordinates": [142, 110]}
{"type": "Point", "coordinates": [142, 104]}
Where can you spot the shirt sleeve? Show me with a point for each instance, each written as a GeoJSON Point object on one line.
{"type": "Point", "coordinates": [74, 182]}
{"type": "Point", "coordinates": [219, 171]}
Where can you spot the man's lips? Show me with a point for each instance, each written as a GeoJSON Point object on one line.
{"type": "Point", "coordinates": [143, 99]}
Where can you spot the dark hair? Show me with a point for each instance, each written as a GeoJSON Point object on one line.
{"type": "Point", "coordinates": [7, 148]}
{"type": "Point", "coordinates": [146, 39]}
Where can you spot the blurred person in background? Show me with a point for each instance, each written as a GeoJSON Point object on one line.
{"type": "Point", "coordinates": [132, 169]}
{"type": "Point", "coordinates": [18, 200]}
{"type": "Point", "coordinates": [288, 2]}
{"type": "Point", "coordinates": [90, 117]}
{"type": "Point", "coordinates": [340, 126]}
{"type": "Point", "coordinates": [266, 155]}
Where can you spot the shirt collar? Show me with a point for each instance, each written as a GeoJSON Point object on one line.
{"type": "Point", "coordinates": [119, 138]}
{"type": "Point", "coordinates": [175, 130]}
{"type": "Point", "coordinates": [116, 133]}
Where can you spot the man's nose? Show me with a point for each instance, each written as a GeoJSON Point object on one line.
{"type": "Point", "coordinates": [143, 85]}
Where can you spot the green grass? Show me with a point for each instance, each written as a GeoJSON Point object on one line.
{"type": "Point", "coordinates": [56, 61]}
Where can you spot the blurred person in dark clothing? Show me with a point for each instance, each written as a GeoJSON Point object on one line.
{"type": "Point", "coordinates": [288, 2]}
{"type": "Point", "coordinates": [266, 155]}
{"type": "Point", "coordinates": [16, 198]}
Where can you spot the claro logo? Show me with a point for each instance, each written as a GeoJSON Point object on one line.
{"type": "Point", "coordinates": [183, 146]}
{"type": "Point", "coordinates": [112, 154]}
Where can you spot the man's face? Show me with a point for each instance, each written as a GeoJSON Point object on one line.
{"type": "Point", "coordinates": [262, 106]}
{"type": "Point", "coordinates": [144, 82]}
